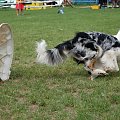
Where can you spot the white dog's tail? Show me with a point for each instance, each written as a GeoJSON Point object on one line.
{"type": "Point", "coordinates": [118, 35]}
{"type": "Point", "coordinates": [50, 57]}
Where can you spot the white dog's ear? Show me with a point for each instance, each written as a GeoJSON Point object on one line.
{"type": "Point", "coordinates": [99, 51]}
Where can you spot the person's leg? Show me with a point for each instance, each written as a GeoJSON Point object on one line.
{"type": "Point", "coordinates": [115, 4]}
{"type": "Point", "coordinates": [17, 9]}
{"type": "Point", "coordinates": [21, 11]}
{"type": "Point", "coordinates": [17, 12]}
{"type": "Point", "coordinates": [22, 8]}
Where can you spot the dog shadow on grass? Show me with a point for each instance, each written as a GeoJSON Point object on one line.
{"type": "Point", "coordinates": [38, 72]}
{"type": "Point", "coordinates": [47, 72]}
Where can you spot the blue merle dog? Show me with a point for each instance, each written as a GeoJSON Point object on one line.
{"type": "Point", "coordinates": [98, 51]}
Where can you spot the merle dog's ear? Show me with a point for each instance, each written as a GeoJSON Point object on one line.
{"type": "Point", "coordinates": [99, 51]}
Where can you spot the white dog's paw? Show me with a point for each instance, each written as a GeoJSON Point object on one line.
{"type": "Point", "coordinates": [97, 72]}
{"type": "Point", "coordinates": [111, 69]}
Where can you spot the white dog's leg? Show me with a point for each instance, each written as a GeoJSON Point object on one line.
{"type": "Point", "coordinates": [97, 72]}
{"type": "Point", "coordinates": [109, 61]}
{"type": "Point", "coordinates": [99, 67]}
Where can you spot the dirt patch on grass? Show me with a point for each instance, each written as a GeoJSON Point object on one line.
{"type": "Point", "coordinates": [72, 114]}
{"type": "Point", "coordinates": [33, 108]}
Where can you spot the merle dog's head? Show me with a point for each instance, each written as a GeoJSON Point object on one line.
{"type": "Point", "coordinates": [85, 51]}
{"type": "Point", "coordinates": [85, 47]}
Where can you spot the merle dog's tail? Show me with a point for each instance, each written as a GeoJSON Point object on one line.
{"type": "Point", "coordinates": [49, 57]}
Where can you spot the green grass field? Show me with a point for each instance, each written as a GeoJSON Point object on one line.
{"type": "Point", "coordinates": [40, 92]}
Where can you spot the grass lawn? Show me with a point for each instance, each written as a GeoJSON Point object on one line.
{"type": "Point", "coordinates": [40, 92]}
